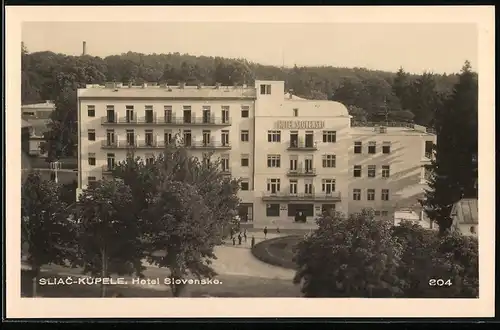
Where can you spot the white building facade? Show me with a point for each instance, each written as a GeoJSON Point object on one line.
{"type": "Point", "coordinates": [295, 157]}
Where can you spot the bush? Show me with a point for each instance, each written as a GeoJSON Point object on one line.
{"type": "Point", "coordinates": [278, 251]}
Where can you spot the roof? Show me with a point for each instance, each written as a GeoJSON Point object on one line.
{"type": "Point", "coordinates": [170, 92]}
{"type": "Point", "coordinates": [49, 105]}
{"type": "Point", "coordinates": [292, 97]}
{"type": "Point", "coordinates": [317, 108]}
{"type": "Point", "coordinates": [465, 211]}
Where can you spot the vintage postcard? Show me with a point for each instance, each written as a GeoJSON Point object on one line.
{"type": "Point", "coordinates": [252, 156]}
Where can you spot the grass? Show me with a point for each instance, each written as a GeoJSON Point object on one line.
{"type": "Point", "coordinates": [278, 251]}
{"type": "Point", "coordinates": [230, 286]}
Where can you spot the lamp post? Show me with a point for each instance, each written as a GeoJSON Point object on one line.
{"type": "Point", "coordinates": [55, 166]}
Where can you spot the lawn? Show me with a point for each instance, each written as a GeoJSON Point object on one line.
{"type": "Point", "coordinates": [230, 286]}
{"type": "Point", "coordinates": [278, 251]}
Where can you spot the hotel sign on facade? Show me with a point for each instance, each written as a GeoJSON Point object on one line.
{"type": "Point", "coordinates": [300, 124]}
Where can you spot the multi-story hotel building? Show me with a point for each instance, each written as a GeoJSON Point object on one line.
{"type": "Point", "coordinates": [294, 156]}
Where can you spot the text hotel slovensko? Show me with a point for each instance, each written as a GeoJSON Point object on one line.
{"type": "Point", "coordinates": [295, 157]}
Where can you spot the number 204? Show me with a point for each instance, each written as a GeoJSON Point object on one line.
{"type": "Point", "coordinates": [439, 282]}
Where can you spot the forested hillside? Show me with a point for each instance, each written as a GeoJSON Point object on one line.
{"type": "Point", "coordinates": [369, 95]}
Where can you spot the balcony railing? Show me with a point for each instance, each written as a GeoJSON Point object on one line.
{"type": "Point", "coordinates": [428, 155]}
{"type": "Point", "coordinates": [287, 196]}
{"type": "Point", "coordinates": [166, 120]}
{"type": "Point", "coordinates": [108, 169]}
{"type": "Point", "coordinates": [210, 145]}
{"type": "Point", "coordinates": [302, 172]}
{"type": "Point", "coordinates": [157, 144]}
{"type": "Point", "coordinates": [301, 145]}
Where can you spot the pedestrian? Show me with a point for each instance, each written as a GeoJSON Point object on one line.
{"type": "Point", "coordinates": [245, 235]}
{"type": "Point", "coordinates": [253, 241]}
{"type": "Point", "coordinates": [232, 233]}
{"type": "Point", "coordinates": [265, 232]}
{"type": "Point", "coordinates": [278, 230]}
{"type": "Point", "coordinates": [234, 240]}
{"type": "Point", "coordinates": [239, 239]}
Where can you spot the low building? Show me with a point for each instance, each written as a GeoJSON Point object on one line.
{"type": "Point", "coordinates": [464, 216]}
{"type": "Point", "coordinates": [38, 116]}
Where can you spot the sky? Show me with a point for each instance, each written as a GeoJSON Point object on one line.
{"type": "Point", "coordinates": [417, 47]}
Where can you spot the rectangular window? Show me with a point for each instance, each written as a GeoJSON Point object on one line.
{"type": "Point", "coordinates": [91, 181]}
{"type": "Point", "coordinates": [225, 138]}
{"type": "Point", "coordinates": [245, 111]}
{"type": "Point", "coordinates": [356, 194]}
{"type": "Point", "coordinates": [110, 137]}
{"type": "Point", "coordinates": [130, 137]}
{"type": "Point", "coordinates": [130, 117]}
{"type": "Point", "coordinates": [328, 186]}
{"type": "Point", "coordinates": [245, 185]}
{"type": "Point", "coordinates": [372, 169]}
{"type": "Point", "coordinates": [295, 112]}
{"type": "Point", "coordinates": [329, 161]}
{"type": "Point", "coordinates": [372, 147]}
{"type": "Point", "coordinates": [274, 161]}
{"type": "Point", "coordinates": [357, 171]}
{"type": "Point", "coordinates": [265, 89]}
{"type": "Point", "coordinates": [91, 110]}
{"type": "Point", "coordinates": [187, 137]}
{"type": "Point", "coordinates": [245, 160]}
{"type": "Point", "coordinates": [110, 114]}
{"type": "Point", "coordinates": [358, 146]}
{"type": "Point", "coordinates": [273, 185]}
{"type": "Point", "coordinates": [149, 138]}
{"type": "Point", "coordinates": [167, 137]}
{"type": "Point", "coordinates": [225, 163]}
{"type": "Point", "coordinates": [150, 159]}
{"type": "Point", "coordinates": [386, 171]}
{"type": "Point", "coordinates": [91, 134]}
{"type": "Point", "coordinates": [149, 114]}
{"type": "Point", "coordinates": [273, 136]}
{"type": "Point", "coordinates": [329, 136]}
{"type": "Point", "coordinates": [186, 114]}
{"type": "Point", "coordinates": [308, 188]}
{"type": "Point", "coordinates": [92, 159]}
{"type": "Point", "coordinates": [272, 210]}
{"type": "Point", "coordinates": [429, 146]}
{"type": "Point", "coordinates": [206, 138]}
{"type": "Point", "coordinates": [167, 110]}
{"type": "Point", "coordinates": [293, 162]}
{"type": "Point", "coordinates": [245, 136]}
{"type": "Point", "coordinates": [225, 114]}
{"type": "Point", "coordinates": [110, 161]}
{"type": "Point", "coordinates": [206, 114]}
{"type": "Point", "coordinates": [370, 194]}
{"type": "Point", "coordinates": [377, 213]}
{"type": "Point", "coordinates": [293, 187]}
{"type": "Point", "coordinates": [384, 213]}
{"type": "Point", "coordinates": [385, 194]}
{"type": "Point", "coordinates": [386, 147]}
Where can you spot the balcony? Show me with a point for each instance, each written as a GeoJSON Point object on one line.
{"type": "Point", "coordinates": [212, 145]}
{"type": "Point", "coordinates": [136, 144]}
{"type": "Point", "coordinates": [167, 120]}
{"type": "Point", "coordinates": [302, 146]}
{"type": "Point", "coordinates": [301, 172]}
{"type": "Point", "coordinates": [108, 169]}
{"type": "Point", "coordinates": [226, 171]}
{"type": "Point", "coordinates": [302, 197]}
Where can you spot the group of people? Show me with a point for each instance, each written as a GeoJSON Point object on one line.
{"type": "Point", "coordinates": [242, 236]}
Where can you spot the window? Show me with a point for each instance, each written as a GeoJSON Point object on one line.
{"type": "Point", "coordinates": [328, 186]}
{"type": "Point", "coordinates": [357, 147]}
{"type": "Point", "coordinates": [386, 147]}
{"type": "Point", "coordinates": [372, 147]}
{"type": "Point", "coordinates": [224, 162]}
{"type": "Point", "coordinates": [329, 161]}
{"type": "Point", "coordinates": [427, 172]}
{"type": "Point", "coordinates": [245, 136]}
{"type": "Point", "coordinates": [245, 160]}
{"type": "Point", "coordinates": [265, 89]}
{"type": "Point", "coordinates": [167, 136]}
{"type": "Point", "coordinates": [91, 134]}
{"type": "Point", "coordinates": [293, 187]}
{"type": "Point", "coordinates": [272, 210]}
{"type": "Point", "coordinates": [372, 169]}
{"type": "Point", "coordinates": [329, 136]}
{"type": "Point", "coordinates": [308, 188]}
{"type": "Point", "coordinates": [225, 114]}
{"type": "Point", "coordinates": [110, 161]}
{"type": "Point", "coordinates": [91, 159]}
{"type": "Point", "coordinates": [130, 113]}
{"type": "Point", "coordinates": [244, 185]}
{"type": "Point", "coordinates": [110, 137]}
{"type": "Point", "coordinates": [293, 162]}
{"type": "Point", "coordinates": [150, 159]}
{"type": "Point", "coordinates": [386, 171]}
{"type": "Point", "coordinates": [206, 137]}
{"type": "Point", "coordinates": [385, 194]}
{"type": "Point", "coordinates": [274, 161]}
{"type": "Point", "coordinates": [130, 137]}
{"type": "Point", "coordinates": [225, 138]}
{"type": "Point", "coordinates": [187, 137]}
{"type": "Point", "coordinates": [384, 213]}
{"type": "Point", "coordinates": [110, 114]}
{"type": "Point", "coordinates": [356, 194]}
{"type": "Point", "coordinates": [186, 114]}
{"type": "Point", "coordinates": [91, 180]}
{"type": "Point", "coordinates": [273, 136]}
{"type": "Point", "coordinates": [245, 110]}
{"type": "Point", "coordinates": [91, 110]}
{"type": "Point", "coordinates": [167, 109]}
{"type": "Point", "coordinates": [377, 213]}
{"type": "Point", "coordinates": [149, 138]}
{"type": "Point", "coordinates": [206, 114]}
{"type": "Point", "coordinates": [370, 194]}
{"type": "Point", "coordinates": [149, 115]}
{"type": "Point", "coordinates": [357, 171]}
{"type": "Point", "coordinates": [295, 112]}
{"type": "Point", "coordinates": [273, 185]}
{"type": "Point", "coordinates": [308, 162]}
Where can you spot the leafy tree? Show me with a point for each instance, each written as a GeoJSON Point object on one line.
{"type": "Point", "coordinates": [423, 99]}
{"type": "Point", "coordinates": [109, 236]}
{"type": "Point", "coordinates": [45, 228]}
{"type": "Point", "coordinates": [349, 257]}
{"type": "Point", "coordinates": [454, 166]}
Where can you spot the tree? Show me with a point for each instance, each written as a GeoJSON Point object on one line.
{"type": "Point", "coordinates": [454, 166]}
{"type": "Point", "coordinates": [109, 236]}
{"type": "Point", "coordinates": [45, 228]}
{"type": "Point", "coordinates": [349, 257]}
{"type": "Point", "coordinates": [401, 88]}
{"type": "Point", "coordinates": [423, 99]}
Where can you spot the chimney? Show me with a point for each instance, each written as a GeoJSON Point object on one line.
{"type": "Point", "coordinates": [290, 95]}
{"type": "Point", "coordinates": [84, 51]}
